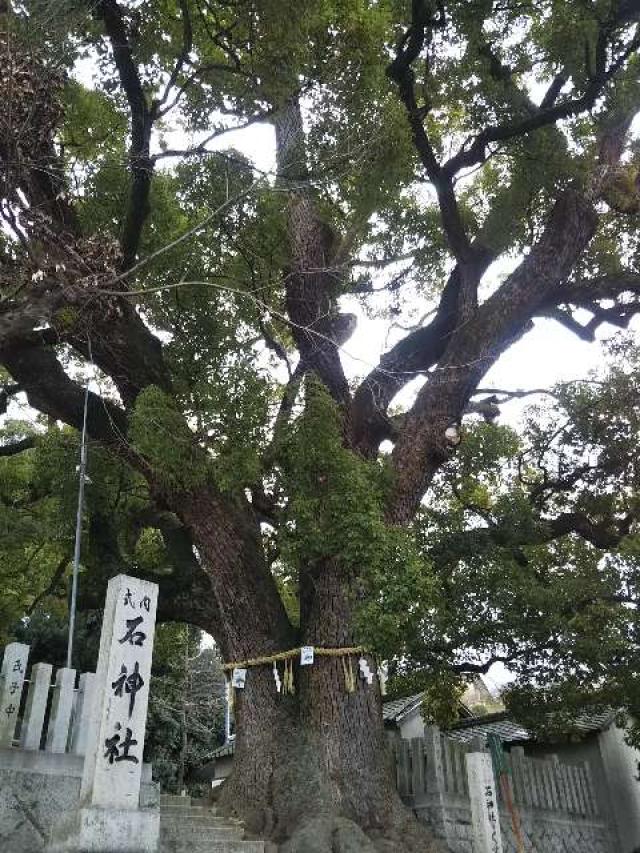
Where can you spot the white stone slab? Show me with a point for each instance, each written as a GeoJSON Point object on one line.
{"type": "Point", "coordinates": [14, 668]}
{"type": "Point", "coordinates": [61, 707]}
{"type": "Point", "coordinates": [37, 697]}
{"type": "Point", "coordinates": [485, 817]}
{"type": "Point", "coordinates": [113, 762]}
{"type": "Point", "coordinates": [100, 830]}
{"type": "Point", "coordinates": [82, 713]}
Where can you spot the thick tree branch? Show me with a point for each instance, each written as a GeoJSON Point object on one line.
{"type": "Point", "coordinates": [15, 447]}
{"type": "Point", "coordinates": [50, 390]}
{"type": "Point", "coordinates": [548, 113]}
{"type": "Point", "coordinates": [476, 345]}
{"type": "Point", "coordinates": [311, 284]}
{"type": "Point", "coordinates": [182, 59]}
{"type": "Point", "coordinates": [112, 16]}
{"type": "Point", "coordinates": [617, 315]}
{"type": "Point", "coordinates": [401, 72]}
{"type": "Point", "coordinates": [413, 355]}
{"type": "Point", "coordinates": [5, 393]}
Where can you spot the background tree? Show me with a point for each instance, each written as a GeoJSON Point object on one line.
{"type": "Point", "coordinates": [209, 298]}
{"type": "Point", "coordinates": [186, 712]}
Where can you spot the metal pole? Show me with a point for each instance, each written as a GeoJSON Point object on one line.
{"type": "Point", "coordinates": [76, 551]}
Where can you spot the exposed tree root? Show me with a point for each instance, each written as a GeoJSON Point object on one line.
{"type": "Point", "coordinates": [332, 834]}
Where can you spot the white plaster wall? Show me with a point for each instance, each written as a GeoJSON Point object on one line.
{"type": "Point", "coordinates": [621, 768]}
{"type": "Point", "coordinates": [412, 725]}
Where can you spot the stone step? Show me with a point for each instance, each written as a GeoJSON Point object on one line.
{"type": "Point", "coordinates": [203, 840]}
{"type": "Point", "coordinates": [175, 800]}
{"type": "Point", "coordinates": [212, 833]}
{"type": "Point", "coordinates": [197, 810]}
{"type": "Point", "coordinates": [205, 846]}
{"type": "Point", "coordinates": [176, 810]}
{"type": "Point", "coordinates": [188, 816]}
{"type": "Point", "coordinates": [225, 830]}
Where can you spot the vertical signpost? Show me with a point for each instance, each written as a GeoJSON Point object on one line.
{"type": "Point", "coordinates": [110, 818]}
{"type": "Point", "coordinates": [485, 817]}
{"type": "Point", "coordinates": [14, 667]}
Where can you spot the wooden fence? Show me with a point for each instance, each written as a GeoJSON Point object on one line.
{"type": "Point", "coordinates": [436, 764]}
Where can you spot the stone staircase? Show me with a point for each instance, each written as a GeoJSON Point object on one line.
{"type": "Point", "coordinates": [194, 826]}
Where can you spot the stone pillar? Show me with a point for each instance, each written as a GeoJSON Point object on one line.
{"type": "Point", "coordinates": [37, 698]}
{"type": "Point", "coordinates": [113, 764]}
{"type": "Point", "coordinates": [109, 818]}
{"type": "Point", "coordinates": [82, 713]}
{"type": "Point", "coordinates": [485, 817]}
{"type": "Point", "coordinates": [14, 667]}
{"type": "Point", "coordinates": [61, 707]}
{"type": "Point", "coordinates": [436, 798]}
{"type": "Point", "coordinates": [434, 775]}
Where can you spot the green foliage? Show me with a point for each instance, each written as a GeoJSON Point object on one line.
{"type": "Point", "coordinates": [186, 706]}
{"type": "Point", "coordinates": [158, 431]}
{"type": "Point", "coordinates": [478, 577]}
{"type": "Point", "coordinates": [335, 498]}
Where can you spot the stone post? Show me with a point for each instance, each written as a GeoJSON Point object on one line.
{"type": "Point", "coordinates": [37, 698]}
{"type": "Point", "coordinates": [485, 817]}
{"type": "Point", "coordinates": [434, 784]}
{"type": "Point", "coordinates": [14, 667]}
{"type": "Point", "coordinates": [61, 707]}
{"type": "Point", "coordinates": [82, 713]}
{"type": "Point", "coordinates": [433, 748]}
{"type": "Point", "coordinates": [113, 764]}
{"type": "Point", "coordinates": [109, 818]}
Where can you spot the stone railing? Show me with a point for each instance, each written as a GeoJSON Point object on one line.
{"type": "Point", "coordinates": [39, 712]}
{"type": "Point", "coordinates": [552, 800]}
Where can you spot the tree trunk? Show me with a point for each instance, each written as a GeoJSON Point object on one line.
{"type": "Point", "coordinates": [312, 771]}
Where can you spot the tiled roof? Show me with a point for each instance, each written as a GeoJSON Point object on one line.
{"type": "Point", "coordinates": [223, 751]}
{"type": "Point", "coordinates": [393, 710]}
{"type": "Point", "coordinates": [498, 724]}
{"type": "Point", "coordinates": [511, 732]}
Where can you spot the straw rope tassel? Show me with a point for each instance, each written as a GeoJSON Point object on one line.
{"type": "Point", "coordinates": [349, 678]}
{"type": "Point", "coordinates": [231, 694]}
{"type": "Point", "coordinates": [288, 677]}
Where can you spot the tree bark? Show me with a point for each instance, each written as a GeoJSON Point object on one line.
{"type": "Point", "coordinates": [312, 770]}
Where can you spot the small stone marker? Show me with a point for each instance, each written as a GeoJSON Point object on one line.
{"type": "Point", "coordinates": [61, 707]}
{"type": "Point", "coordinates": [113, 762]}
{"type": "Point", "coordinates": [14, 667]}
{"type": "Point", "coordinates": [485, 817]}
{"type": "Point", "coordinates": [82, 714]}
{"type": "Point", "coordinates": [37, 697]}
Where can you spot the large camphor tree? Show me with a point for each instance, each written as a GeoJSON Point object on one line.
{"type": "Point", "coordinates": [469, 163]}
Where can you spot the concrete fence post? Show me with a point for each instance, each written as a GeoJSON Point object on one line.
{"type": "Point", "coordinates": [14, 668]}
{"type": "Point", "coordinates": [61, 707]}
{"type": "Point", "coordinates": [82, 713]}
{"type": "Point", "coordinates": [434, 772]}
{"type": "Point", "coordinates": [36, 707]}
